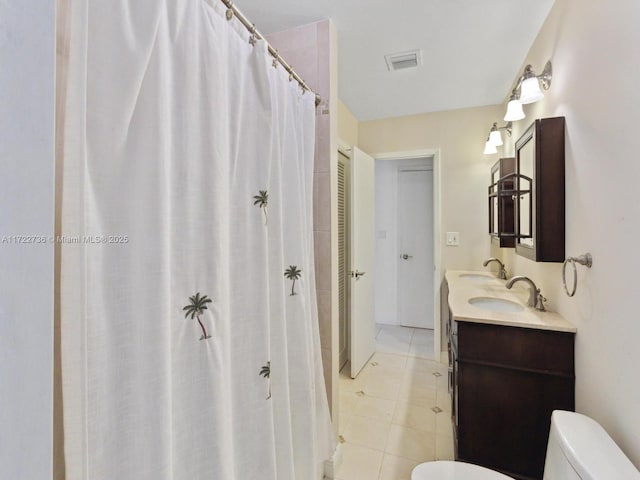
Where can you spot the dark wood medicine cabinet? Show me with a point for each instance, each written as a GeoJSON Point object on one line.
{"type": "Point", "coordinates": [526, 195]}
{"type": "Point", "coordinates": [501, 205]}
{"type": "Point", "coordinates": [539, 206]}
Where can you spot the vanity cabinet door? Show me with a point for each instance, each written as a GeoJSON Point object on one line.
{"type": "Point", "coordinates": [505, 417]}
{"type": "Point", "coordinates": [540, 204]}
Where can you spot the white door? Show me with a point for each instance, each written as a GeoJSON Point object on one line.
{"type": "Point", "coordinates": [415, 241]}
{"type": "Point", "coordinates": [363, 328]}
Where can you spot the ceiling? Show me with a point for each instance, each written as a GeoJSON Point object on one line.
{"type": "Point", "coordinates": [472, 50]}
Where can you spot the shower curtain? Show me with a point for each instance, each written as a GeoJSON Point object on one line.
{"type": "Point", "coordinates": [190, 346]}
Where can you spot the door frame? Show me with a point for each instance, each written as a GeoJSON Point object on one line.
{"type": "Point", "coordinates": [437, 229]}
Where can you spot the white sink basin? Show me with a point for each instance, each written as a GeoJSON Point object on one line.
{"type": "Point", "coordinates": [477, 277]}
{"type": "Point", "coordinates": [496, 304]}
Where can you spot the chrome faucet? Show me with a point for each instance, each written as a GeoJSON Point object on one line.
{"type": "Point", "coordinates": [502, 273]}
{"type": "Point", "coordinates": [536, 299]}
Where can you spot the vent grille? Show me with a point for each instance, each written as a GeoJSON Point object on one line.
{"type": "Point", "coordinates": [404, 60]}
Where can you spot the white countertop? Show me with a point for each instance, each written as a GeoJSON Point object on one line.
{"type": "Point", "coordinates": [462, 289]}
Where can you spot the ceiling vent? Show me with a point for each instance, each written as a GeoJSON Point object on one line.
{"type": "Point", "coordinates": [404, 60]}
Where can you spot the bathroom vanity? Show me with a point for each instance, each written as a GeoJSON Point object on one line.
{"type": "Point", "coordinates": [510, 366]}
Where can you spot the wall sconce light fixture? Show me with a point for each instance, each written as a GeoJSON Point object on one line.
{"type": "Point", "coordinates": [495, 138]}
{"type": "Point", "coordinates": [489, 148]}
{"type": "Point", "coordinates": [514, 109]}
{"type": "Point", "coordinates": [527, 90]}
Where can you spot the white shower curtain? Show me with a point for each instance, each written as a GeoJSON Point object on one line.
{"type": "Point", "coordinates": [187, 190]}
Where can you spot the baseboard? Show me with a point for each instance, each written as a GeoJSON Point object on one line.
{"type": "Point", "coordinates": [331, 465]}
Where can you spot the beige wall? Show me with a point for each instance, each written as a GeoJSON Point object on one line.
{"type": "Point", "coordinates": [459, 135]}
{"type": "Point", "coordinates": [593, 47]}
{"type": "Point", "coordinates": [312, 50]}
{"type": "Point", "coordinates": [347, 125]}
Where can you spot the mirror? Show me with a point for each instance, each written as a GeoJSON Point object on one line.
{"type": "Point", "coordinates": [526, 162]}
{"type": "Point", "coordinates": [494, 203]}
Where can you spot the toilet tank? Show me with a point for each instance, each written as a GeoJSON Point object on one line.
{"type": "Point", "coordinates": [580, 449]}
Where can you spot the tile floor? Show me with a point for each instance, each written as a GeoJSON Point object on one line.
{"type": "Point", "coordinates": [396, 413]}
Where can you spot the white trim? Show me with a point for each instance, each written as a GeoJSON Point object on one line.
{"type": "Point", "coordinates": [437, 256]}
{"type": "Point", "coordinates": [344, 148]}
{"type": "Point", "coordinates": [407, 155]}
{"type": "Point", "coordinates": [437, 229]}
{"type": "Point", "coordinates": [331, 465]}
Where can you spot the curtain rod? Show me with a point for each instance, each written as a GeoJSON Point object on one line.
{"type": "Point", "coordinates": [233, 11]}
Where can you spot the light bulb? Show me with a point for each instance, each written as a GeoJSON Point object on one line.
{"type": "Point", "coordinates": [495, 138]}
{"type": "Point", "coordinates": [489, 148]}
{"type": "Point", "coordinates": [530, 91]}
{"type": "Point", "coordinates": [514, 111]}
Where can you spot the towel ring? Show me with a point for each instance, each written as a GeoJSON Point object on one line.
{"type": "Point", "coordinates": [585, 260]}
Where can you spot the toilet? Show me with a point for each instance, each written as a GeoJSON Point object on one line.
{"type": "Point", "coordinates": [578, 449]}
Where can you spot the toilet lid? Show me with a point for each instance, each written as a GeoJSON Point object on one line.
{"type": "Point", "coordinates": [446, 470]}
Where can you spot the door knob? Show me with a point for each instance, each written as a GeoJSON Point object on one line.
{"type": "Point", "coordinates": [404, 256]}
{"type": "Point", "coordinates": [357, 274]}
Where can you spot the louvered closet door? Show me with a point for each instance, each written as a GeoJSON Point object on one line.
{"type": "Point", "coordinates": [343, 256]}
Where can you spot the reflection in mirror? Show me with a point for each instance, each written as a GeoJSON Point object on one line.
{"type": "Point", "coordinates": [526, 200]}
{"type": "Point", "coordinates": [494, 204]}
{"type": "Point", "coordinates": [501, 203]}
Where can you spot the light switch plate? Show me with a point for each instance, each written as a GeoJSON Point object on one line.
{"type": "Point", "coordinates": [453, 238]}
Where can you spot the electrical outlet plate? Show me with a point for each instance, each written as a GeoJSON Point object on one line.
{"type": "Point", "coordinates": [453, 239]}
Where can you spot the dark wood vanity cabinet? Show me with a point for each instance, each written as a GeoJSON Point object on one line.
{"type": "Point", "coordinates": [540, 204]}
{"type": "Point", "coordinates": [501, 204]}
{"type": "Point", "coordinates": [505, 381]}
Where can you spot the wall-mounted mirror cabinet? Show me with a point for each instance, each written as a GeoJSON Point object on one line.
{"type": "Point", "coordinates": [539, 198]}
{"type": "Point", "coordinates": [501, 205]}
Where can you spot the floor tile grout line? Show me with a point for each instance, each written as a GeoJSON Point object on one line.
{"type": "Point", "coordinates": [409, 358]}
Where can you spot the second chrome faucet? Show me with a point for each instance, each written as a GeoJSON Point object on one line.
{"type": "Point", "coordinates": [536, 299]}
{"type": "Point", "coordinates": [502, 273]}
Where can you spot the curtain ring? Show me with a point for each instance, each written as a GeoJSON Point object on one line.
{"type": "Point", "coordinates": [252, 38]}
{"type": "Point", "coordinates": [564, 276]}
{"type": "Point", "coordinates": [275, 62]}
{"type": "Point", "coordinates": [229, 13]}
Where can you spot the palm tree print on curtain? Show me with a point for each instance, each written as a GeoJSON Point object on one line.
{"type": "Point", "coordinates": [265, 371]}
{"type": "Point", "coordinates": [262, 200]}
{"type": "Point", "coordinates": [293, 273]}
{"type": "Point", "coordinates": [196, 308]}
